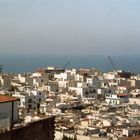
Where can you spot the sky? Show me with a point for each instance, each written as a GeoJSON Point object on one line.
{"type": "Point", "coordinates": [70, 27]}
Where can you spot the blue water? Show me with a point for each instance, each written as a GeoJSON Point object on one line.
{"type": "Point", "coordinates": [24, 63]}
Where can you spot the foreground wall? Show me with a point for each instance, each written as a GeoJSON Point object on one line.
{"type": "Point", "coordinates": [130, 138]}
{"type": "Point", "coordinates": [39, 130]}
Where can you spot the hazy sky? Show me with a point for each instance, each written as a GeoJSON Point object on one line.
{"type": "Point", "coordinates": [70, 27]}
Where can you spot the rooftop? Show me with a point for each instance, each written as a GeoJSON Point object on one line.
{"type": "Point", "coordinates": [4, 98]}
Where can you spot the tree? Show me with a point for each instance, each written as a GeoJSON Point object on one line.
{"type": "Point", "coordinates": [69, 138]}
{"type": "Point", "coordinates": [65, 137]}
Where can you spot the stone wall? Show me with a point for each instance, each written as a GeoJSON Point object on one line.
{"type": "Point", "coordinates": [38, 130]}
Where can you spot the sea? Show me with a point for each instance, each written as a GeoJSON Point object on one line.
{"type": "Point", "coordinates": [29, 63]}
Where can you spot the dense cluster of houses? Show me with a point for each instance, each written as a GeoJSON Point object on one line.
{"type": "Point", "coordinates": [86, 102]}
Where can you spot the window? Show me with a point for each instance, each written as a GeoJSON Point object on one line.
{"type": "Point", "coordinates": [29, 106]}
{"type": "Point", "coordinates": [30, 100]}
{"type": "Point", "coordinates": [94, 91]}
{"type": "Point", "coordinates": [39, 100]}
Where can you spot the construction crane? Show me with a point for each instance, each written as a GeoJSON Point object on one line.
{"type": "Point", "coordinates": [66, 65]}
{"type": "Point", "coordinates": [1, 68]}
{"type": "Point", "coordinates": [112, 63]}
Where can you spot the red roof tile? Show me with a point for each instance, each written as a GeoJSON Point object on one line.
{"type": "Point", "coordinates": [122, 94]}
{"type": "Point", "coordinates": [4, 98]}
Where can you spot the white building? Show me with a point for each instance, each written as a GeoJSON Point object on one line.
{"type": "Point", "coordinates": [94, 81]}
{"type": "Point", "coordinates": [62, 84]}
{"type": "Point", "coordinates": [21, 78]}
{"type": "Point", "coordinates": [30, 100]}
{"type": "Point", "coordinates": [79, 78]}
{"type": "Point", "coordinates": [110, 75]}
{"type": "Point", "coordinates": [134, 101]}
{"type": "Point", "coordinates": [114, 99]}
{"type": "Point", "coordinates": [84, 91]}
{"type": "Point", "coordinates": [61, 76]}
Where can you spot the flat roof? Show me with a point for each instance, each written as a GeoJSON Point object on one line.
{"type": "Point", "coordinates": [122, 94]}
{"type": "Point", "coordinates": [5, 98]}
